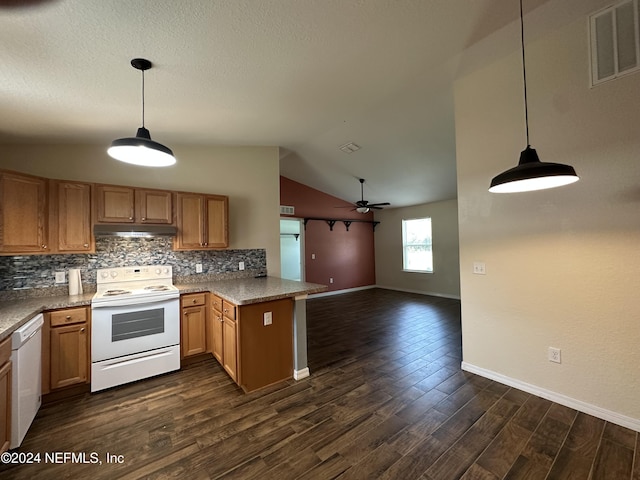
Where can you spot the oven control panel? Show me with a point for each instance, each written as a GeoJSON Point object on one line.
{"type": "Point", "coordinates": [140, 273]}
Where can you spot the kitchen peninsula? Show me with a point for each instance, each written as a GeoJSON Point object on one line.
{"type": "Point", "coordinates": [240, 292]}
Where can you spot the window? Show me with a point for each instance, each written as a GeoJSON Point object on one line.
{"type": "Point", "coordinates": [615, 41]}
{"type": "Point", "coordinates": [416, 245]}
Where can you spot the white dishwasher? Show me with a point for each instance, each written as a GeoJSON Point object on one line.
{"type": "Point", "coordinates": [26, 383]}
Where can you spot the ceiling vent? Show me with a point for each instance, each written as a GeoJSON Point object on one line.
{"type": "Point", "coordinates": [349, 147]}
{"type": "Point", "coordinates": [615, 41]}
{"type": "Point", "coordinates": [287, 210]}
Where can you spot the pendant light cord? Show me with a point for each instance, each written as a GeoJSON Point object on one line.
{"type": "Point", "coordinates": [143, 98]}
{"type": "Point", "coordinates": [524, 74]}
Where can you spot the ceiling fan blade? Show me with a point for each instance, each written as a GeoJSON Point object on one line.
{"type": "Point", "coordinates": [378, 204]}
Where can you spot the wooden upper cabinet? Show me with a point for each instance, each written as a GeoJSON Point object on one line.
{"type": "Point", "coordinates": [217, 225]}
{"type": "Point", "coordinates": [71, 217]}
{"type": "Point", "coordinates": [202, 221]}
{"type": "Point", "coordinates": [23, 214]}
{"type": "Point", "coordinates": [153, 206]}
{"type": "Point", "coordinates": [116, 204]}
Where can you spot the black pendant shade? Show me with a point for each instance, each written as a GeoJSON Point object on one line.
{"type": "Point", "coordinates": [141, 150]}
{"type": "Point", "coordinates": [530, 173]}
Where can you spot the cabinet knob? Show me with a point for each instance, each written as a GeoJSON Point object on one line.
{"type": "Point", "coordinates": [82, 330]}
{"type": "Point", "coordinates": [43, 246]}
{"type": "Point", "coordinates": [68, 317]}
{"type": "Point", "coordinates": [86, 245]}
{"type": "Point", "coordinates": [144, 218]}
{"type": "Point", "coordinates": [130, 218]}
{"type": "Point", "coordinates": [205, 244]}
{"type": "Point", "coordinates": [194, 300]}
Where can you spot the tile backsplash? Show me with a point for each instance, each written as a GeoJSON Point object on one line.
{"type": "Point", "coordinates": [25, 272]}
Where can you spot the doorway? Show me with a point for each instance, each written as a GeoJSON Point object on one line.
{"type": "Point", "coordinates": [291, 249]}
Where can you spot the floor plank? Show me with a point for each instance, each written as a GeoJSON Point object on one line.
{"type": "Point", "coordinates": [386, 399]}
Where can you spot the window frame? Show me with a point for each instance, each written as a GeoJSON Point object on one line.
{"type": "Point", "coordinates": [405, 244]}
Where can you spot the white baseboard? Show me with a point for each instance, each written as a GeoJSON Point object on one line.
{"type": "Point", "coordinates": [300, 374]}
{"type": "Point", "coordinates": [599, 412]}
{"type": "Point", "coordinates": [340, 292]}
{"type": "Point", "coordinates": [421, 292]}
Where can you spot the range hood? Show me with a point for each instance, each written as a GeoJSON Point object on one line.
{"type": "Point", "coordinates": [127, 230]}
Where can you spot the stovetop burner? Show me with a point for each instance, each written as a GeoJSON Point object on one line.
{"type": "Point", "coordinates": [157, 288]}
{"type": "Point", "coordinates": [113, 293]}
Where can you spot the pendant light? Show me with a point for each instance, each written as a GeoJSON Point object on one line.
{"type": "Point", "coordinates": [530, 173]}
{"type": "Point", "coordinates": [141, 150]}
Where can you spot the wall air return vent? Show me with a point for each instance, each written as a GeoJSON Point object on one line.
{"type": "Point", "coordinates": [287, 210]}
{"type": "Point", "coordinates": [615, 41]}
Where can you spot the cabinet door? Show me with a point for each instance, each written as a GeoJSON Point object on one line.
{"type": "Point", "coordinates": [216, 334]}
{"type": "Point", "coordinates": [69, 355]}
{"type": "Point", "coordinates": [23, 214]}
{"type": "Point", "coordinates": [73, 223]}
{"type": "Point", "coordinates": [217, 225]}
{"type": "Point", "coordinates": [5, 394]}
{"type": "Point", "coordinates": [190, 222]}
{"type": "Point", "coordinates": [114, 204]}
{"type": "Point", "coordinates": [153, 206]}
{"type": "Point", "coordinates": [5, 406]}
{"type": "Point", "coordinates": [194, 340]}
{"type": "Point", "coordinates": [230, 348]}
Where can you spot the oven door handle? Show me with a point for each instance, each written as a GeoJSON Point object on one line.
{"type": "Point", "coordinates": [130, 302]}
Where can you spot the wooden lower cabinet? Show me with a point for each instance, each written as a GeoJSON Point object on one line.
{"type": "Point", "coordinates": [193, 328]}
{"type": "Point", "coordinates": [5, 394]}
{"type": "Point", "coordinates": [230, 348]}
{"type": "Point", "coordinates": [253, 343]}
{"type": "Point", "coordinates": [66, 359]}
{"type": "Point", "coordinates": [215, 329]}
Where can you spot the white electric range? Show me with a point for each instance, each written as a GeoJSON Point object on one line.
{"type": "Point", "coordinates": [135, 325]}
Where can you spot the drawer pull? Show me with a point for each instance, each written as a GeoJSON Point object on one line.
{"type": "Point", "coordinates": [195, 301]}
{"type": "Point", "coordinates": [68, 317]}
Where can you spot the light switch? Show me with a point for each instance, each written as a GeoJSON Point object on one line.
{"type": "Point", "coordinates": [268, 318]}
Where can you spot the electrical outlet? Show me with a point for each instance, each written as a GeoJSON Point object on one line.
{"type": "Point", "coordinates": [313, 256]}
{"type": "Point", "coordinates": [268, 318]}
{"type": "Point", "coordinates": [554, 355]}
{"type": "Point", "coordinates": [240, 265]}
{"type": "Point", "coordinates": [330, 279]}
{"type": "Point", "coordinates": [198, 268]}
{"type": "Point", "coordinates": [60, 277]}
{"type": "Point", "coordinates": [479, 268]}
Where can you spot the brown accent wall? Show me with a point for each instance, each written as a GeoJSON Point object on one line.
{"type": "Point", "coordinates": [346, 256]}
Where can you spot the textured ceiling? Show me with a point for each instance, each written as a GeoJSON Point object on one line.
{"type": "Point", "coordinates": [304, 75]}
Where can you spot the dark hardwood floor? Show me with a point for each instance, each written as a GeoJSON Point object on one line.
{"type": "Point", "coordinates": [386, 399]}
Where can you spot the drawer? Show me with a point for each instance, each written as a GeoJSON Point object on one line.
{"type": "Point", "coordinates": [5, 350]}
{"type": "Point", "coordinates": [229, 310]}
{"type": "Point", "coordinates": [216, 302]}
{"type": "Point", "coordinates": [194, 299]}
{"type": "Point", "coordinates": [69, 316]}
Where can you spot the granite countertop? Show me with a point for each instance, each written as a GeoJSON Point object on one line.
{"type": "Point", "coordinates": [241, 291]}
{"type": "Point", "coordinates": [245, 291]}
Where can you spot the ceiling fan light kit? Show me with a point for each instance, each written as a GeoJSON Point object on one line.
{"type": "Point", "coordinates": [530, 173]}
{"type": "Point", "coordinates": [141, 150]}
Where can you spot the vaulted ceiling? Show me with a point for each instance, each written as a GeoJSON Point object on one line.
{"type": "Point", "coordinates": [305, 75]}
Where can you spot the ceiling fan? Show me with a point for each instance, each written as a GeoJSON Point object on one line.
{"type": "Point", "coordinates": [363, 206]}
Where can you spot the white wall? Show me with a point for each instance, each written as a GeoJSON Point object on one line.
{"type": "Point", "coordinates": [445, 279]}
{"type": "Point", "coordinates": [563, 265]}
{"type": "Point", "coordinates": [248, 175]}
